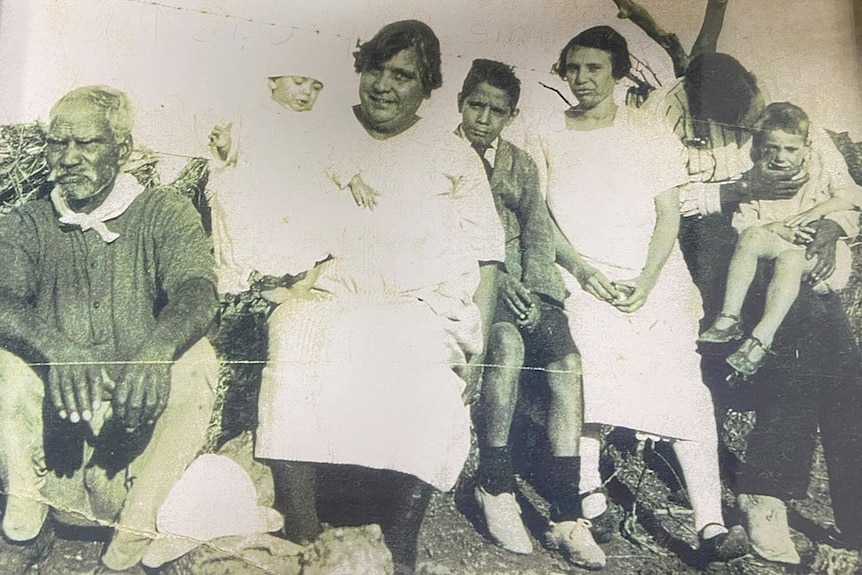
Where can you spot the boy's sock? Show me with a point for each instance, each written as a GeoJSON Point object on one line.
{"type": "Point", "coordinates": [565, 498]}
{"type": "Point", "coordinates": [495, 470]}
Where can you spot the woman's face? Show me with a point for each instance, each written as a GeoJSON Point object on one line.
{"type": "Point", "coordinates": [589, 73]}
{"type": "Point", "coordinates": [390, 94]}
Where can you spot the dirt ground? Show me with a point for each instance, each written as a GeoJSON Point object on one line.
{"type": "Point", "coordinates": [452, 542]}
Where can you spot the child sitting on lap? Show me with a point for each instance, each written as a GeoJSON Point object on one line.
{"type": "Point", "coordinates": [777, 230]}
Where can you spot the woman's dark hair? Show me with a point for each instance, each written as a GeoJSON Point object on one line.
{"type": "Point", "coordinates": [719, 88]}
{"type": "Point", "coordinates": [496, 74]}
{"type": "Point", "coordinates": [602, 38]}
{"type": "Point", "coordinates": [402, 35]}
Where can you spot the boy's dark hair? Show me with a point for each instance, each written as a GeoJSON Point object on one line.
{"type": "Point", "coordinates": [719, 88]}
{"type": "Point", "coordinates": [782, 116]}
{"type": "Point", "coordinates": [496, 74]}
{"type": "Point", "coordinates": [402, 35]}
{"type": "Point", "coordinates": [602, 38]}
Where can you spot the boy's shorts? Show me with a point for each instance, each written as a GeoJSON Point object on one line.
{"type": "Point", "coordinates": [549, 341]}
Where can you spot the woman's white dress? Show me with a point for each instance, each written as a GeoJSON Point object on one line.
{"type": "Point", "coordinates": [360, 373]}
{"type": "Point", "coordinates": [640, 370]}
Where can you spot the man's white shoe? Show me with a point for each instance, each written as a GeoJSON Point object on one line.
{"type": "Point", "coordinates": [575, 542]}
{"type": "Point", "coordinates": [23, 518]}
{"type": "Point", "coordinates": [765, 520]}
{"type": "Point", "coordinates": [503, 518]}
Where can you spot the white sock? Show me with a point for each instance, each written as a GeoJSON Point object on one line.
{"type": "Point", "coordinates": [712, 530]}
{"type": "Point", "coordinates": [594, 505]}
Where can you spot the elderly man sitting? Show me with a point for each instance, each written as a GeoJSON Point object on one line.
{"type": "Point", "coordinates": [106, 294]}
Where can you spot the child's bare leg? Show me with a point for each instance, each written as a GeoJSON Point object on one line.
{"type": "Point", "coordinates": [783, 288]}
{"type": "Point", "coordinates": [754, 244]}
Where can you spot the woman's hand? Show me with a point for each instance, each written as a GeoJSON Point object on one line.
{"type": "Point", "coordinates": [633, 293]}
{"type": "Point", "coordinates": [596, 284]}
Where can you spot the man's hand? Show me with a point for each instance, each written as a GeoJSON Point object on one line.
{"type": "Point", "coordinates": [75, 383]}
{"type": "Point", "coordinates": [220, 141]}
{"type": "Point", "coordinates": [761, 183]}
{"type": "Point", "coordinates": [824, 234]}
{"type": "Point", "coordinates": [141, 392]}
{"type": "Point", "coordinates": [364, 195]}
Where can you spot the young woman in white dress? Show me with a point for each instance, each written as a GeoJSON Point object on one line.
{"type": "Point", "coordinates": [611, 188]}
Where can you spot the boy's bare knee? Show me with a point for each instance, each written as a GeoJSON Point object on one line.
{"type": "Point", "coordinates": [505, 344]}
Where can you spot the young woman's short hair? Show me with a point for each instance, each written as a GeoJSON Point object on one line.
{"type": "Point", "coordinates": [602, 38]}
{"type": "Point", "coordinates": [496, 74]}
{"type": "Point", "coordinates": [719, 88]}
{"type": "Point", "coordinates": [403, 35]}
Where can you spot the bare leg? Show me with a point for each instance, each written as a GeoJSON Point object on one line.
{"type": "Point", "coordinates": [790, 266]}
{"type": "Point", "coordinates": [754, 244]}
{"type": "Point", "coordinates": [500, 384]}
{"type": "Point", "coordinates": [566, 412]}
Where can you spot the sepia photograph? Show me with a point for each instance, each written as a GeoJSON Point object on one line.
{"type": "Point", "coordinates": [430, 287]}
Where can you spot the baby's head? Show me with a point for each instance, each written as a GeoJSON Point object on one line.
{"type": "Point", "coordinates": [299, 93]}
{"type": "Point", "coordinates": [780, 138]}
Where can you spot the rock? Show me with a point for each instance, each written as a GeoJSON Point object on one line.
{"type": "Point", "coordinates": [338, 551]}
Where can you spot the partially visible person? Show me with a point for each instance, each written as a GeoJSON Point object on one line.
{"type": "Point", "coordinates": [107, 292]}
{"type": "Point", "coordinates": [768, 232]}
{"type": "Point", "coordinates": [529, 327]}
{"type": "Point", "coordinates": [360, 382]}
{"type": "Point", "coordinates": [633, 308]}
{"type": "Point", "coordinates": [813, 381]}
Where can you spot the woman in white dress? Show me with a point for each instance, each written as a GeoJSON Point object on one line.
{"type": "Point", "coordinates": [359, 380]}
{"type": "Point", "coordinates": [611, 188]}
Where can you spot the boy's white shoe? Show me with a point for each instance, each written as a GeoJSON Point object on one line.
{"type": "Point", "coordinates": [503, 518]}
{"type": "Point", "coordinates": [575, 542]}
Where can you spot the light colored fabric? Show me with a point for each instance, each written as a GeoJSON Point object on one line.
{"type": "Point", "coordinates": [124, 192]}
{"type": "Point", "coordinates": [214, 498]}
{"type": "Point", "coordinates": [274, 180]}
{"type": "Point", "coordinates": [640, 370]}
{"type": "Point", "coordinates": [361, 373]}
{"type": "Point", "coordinates": [128, 500]}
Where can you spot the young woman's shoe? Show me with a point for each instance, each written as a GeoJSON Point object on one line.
{"type": "Point", "coordinates": [725, 546]}
{"type": "Point", "coordinates": [722, 335]}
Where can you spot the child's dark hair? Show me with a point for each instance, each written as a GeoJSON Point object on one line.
{"type": "Point", "coordinates": [403, 35]}
{"type": "Point", "coordinates": [602, 38]}
{"type": "Point", "coordinates": [496, 74]}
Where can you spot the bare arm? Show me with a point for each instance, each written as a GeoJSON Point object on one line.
{"type": "Point", "coordinates": [141, 392]}
{"type": "Point", "coordinates": [660, 246]}
{"type": "Point", "coordinates": [834, 204]}
{"type": "Point", "coordinates": [592, 280]}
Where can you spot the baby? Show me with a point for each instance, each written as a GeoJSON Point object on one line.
{"type": "Point", "coordinates": [777, 230]}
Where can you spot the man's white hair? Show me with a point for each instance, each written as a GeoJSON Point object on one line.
{"type": "Point", "coordinates": [113, 103]}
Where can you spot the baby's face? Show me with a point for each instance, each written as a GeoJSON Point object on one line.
{"type": "Point", "coordinates": [783, 152]}
{"type": "Point", "coordinates": [299, 93]}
